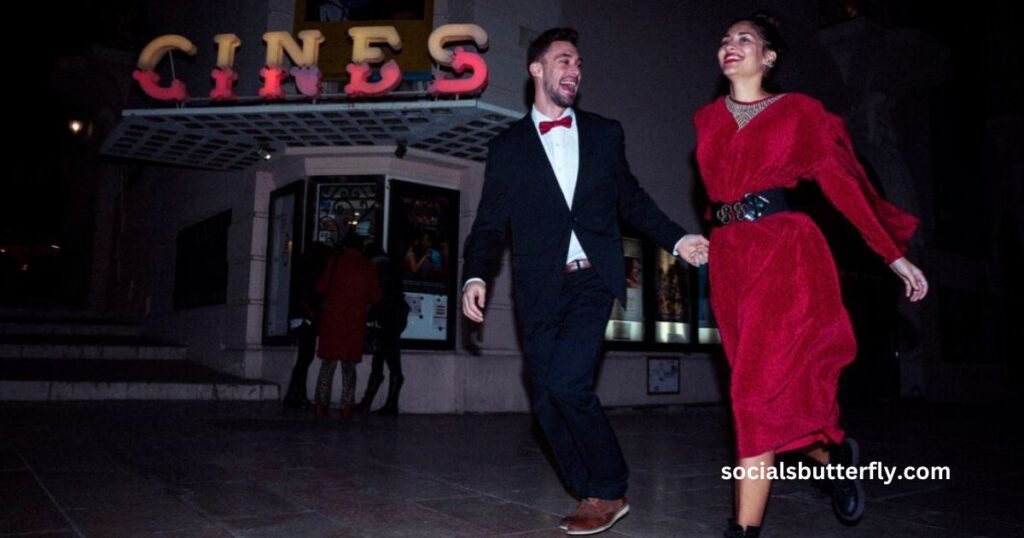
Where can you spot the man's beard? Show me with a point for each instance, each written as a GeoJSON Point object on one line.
{"type": "Point", "coordinates": [557, 98]}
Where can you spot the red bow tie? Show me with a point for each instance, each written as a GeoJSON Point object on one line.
{"type": "Point", "coordinates": [546, 126]}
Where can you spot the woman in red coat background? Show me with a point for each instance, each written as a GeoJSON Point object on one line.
{"type": "Point", "coordinates": [349, 286]}
{"type": "Point", "coordinates": [774, 286]}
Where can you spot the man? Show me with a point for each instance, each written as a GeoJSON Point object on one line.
{"type": "Point", "coordinates": [558, 179]}
{"type": "Point", "coordinates": [306, 306]}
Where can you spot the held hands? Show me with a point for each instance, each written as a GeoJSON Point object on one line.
{"type": "Point", "coordinates": [473, 299]}
{"type": "Point", "coordinates": [694, 249]}
{"type": "Point", "coordinates": [913, 279]}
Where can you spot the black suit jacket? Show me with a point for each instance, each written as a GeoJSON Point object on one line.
{"type": "Point", "coordinates": [521, 194]}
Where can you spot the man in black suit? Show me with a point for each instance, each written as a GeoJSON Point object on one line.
{"type": "Point", "coordinates": [558, 179]}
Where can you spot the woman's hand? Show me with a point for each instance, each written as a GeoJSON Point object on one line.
{"type": "Point", "coordinates": [913, 279]}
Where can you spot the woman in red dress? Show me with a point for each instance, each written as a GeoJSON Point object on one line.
{"type": "Point", "coordinates": [349, 286]}
{"type": "Point", "coordinates": [775, 290]}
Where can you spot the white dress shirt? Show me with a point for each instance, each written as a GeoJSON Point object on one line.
{"type": "Point", "coordinates": [562, 146]}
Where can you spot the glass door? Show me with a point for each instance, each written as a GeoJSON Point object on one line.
{"type": "Point", "coordinates": [284, 239]}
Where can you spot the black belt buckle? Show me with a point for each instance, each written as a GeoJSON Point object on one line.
{"type": "Point", "coordinates": [748, 209]}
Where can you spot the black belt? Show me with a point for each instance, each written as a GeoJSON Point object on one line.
{"type": "Point", "coordinates": [751, 207]}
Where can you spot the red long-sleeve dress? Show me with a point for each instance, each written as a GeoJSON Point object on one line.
{"type": "Point", "coordinates": [774, 286]}
{"type": "Point", "coordinates": [349, 285]}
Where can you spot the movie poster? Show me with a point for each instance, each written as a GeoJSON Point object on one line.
{"type": "Point", "coordinates": [423, 236]}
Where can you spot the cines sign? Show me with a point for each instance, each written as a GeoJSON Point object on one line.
{"type": "Point", "coordinates": [367, 55]}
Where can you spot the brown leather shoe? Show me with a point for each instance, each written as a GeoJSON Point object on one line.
{"type": "Point", "coordinates": [596, 515]}
{"type": "Point", "coordinates": [581, 507]}
{"type": "Point", "coordinates": [563, 524]}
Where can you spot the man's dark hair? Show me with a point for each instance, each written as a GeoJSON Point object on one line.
{"type": "Point", "coordinates": [540, 45]}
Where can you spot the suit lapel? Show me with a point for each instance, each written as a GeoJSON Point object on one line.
{"type": "Point", "coordinates": [587, 142]}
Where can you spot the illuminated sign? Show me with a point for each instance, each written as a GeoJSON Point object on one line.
{"type": "Point", "coordinates": [367, 56]}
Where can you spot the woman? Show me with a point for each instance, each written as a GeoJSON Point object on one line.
{"type": "Point", "coordinates": [775, 290]}
{"type": "Point", "coordinates": [391, 315]}
{"type": "Point", "coordinates": [349, 286]}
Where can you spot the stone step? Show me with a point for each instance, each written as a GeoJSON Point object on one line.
{"type": "Point", "coordinates": [48, 313]}
{"type": "Point", "coordinates": [48, 346]}
{"type": "Point", "coordinates": [104, 379]}
{"type": "Point", "coordinates": [70, 327]}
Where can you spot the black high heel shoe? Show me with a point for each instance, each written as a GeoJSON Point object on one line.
{"type": "Point", "coordinates": [735, 531]}
{"type": "Point", "coordinates": [847, 494]}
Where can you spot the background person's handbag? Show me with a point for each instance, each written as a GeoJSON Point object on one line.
{"type": "Point", "coordinates": [371, 340]}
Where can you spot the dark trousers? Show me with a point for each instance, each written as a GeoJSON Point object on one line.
{"type": "Point", "coordinates": [562, 352]}
{"type": "Point", "coordinates": [388, 351]}
{"type": "Point", "coordinates": [305, 339]}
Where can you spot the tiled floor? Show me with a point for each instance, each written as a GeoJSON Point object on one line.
{"type": "Point", "coordinates": [252, 469]}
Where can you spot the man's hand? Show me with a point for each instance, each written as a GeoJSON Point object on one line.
{"type": "Point", "coordinates": [694, 249]}
{"type": "Point", "coordinates": [473, 299]}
